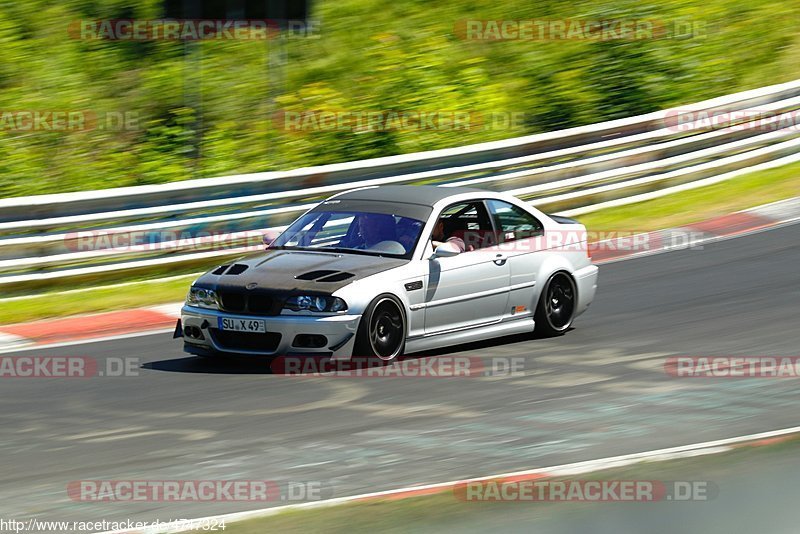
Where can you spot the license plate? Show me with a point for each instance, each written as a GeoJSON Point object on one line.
{"type": "Point", "coordinates": [242, 325]}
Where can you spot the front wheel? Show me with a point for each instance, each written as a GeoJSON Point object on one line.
{"type": "Point", "coordinates": [556, 308]}
{"type": "Point", "coordinates": [382, 332]}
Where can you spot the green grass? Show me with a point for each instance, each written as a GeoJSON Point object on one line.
{"type": "Point", "coordinates": [210, 108]}
{"type": "Point", "coordinates": [666, 212]}
{"type": "Point", "coordinates": [444, 512]}
{"type": "Point", "coordinates": [138, 294]}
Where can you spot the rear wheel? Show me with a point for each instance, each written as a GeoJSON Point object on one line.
{"type": "Point", "coordinates": [382, 332]}
{"type": "Point", "coordinates": [556, 308]}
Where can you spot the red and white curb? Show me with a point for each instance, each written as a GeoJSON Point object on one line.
{"type": "Point", "coordinates": [128, 323]}
{"type": "Point", "coordinates": [85, 328]}
{"type": "Point", "coordinates": [578, 468]}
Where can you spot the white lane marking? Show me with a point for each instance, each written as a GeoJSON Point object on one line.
{"type": "Point", "coordinates": [12, 342]}
{"type": "Point", "coordinates": [659, 455]}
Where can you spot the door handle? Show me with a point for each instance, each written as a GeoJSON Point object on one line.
{"type": "Point", "coordinates": [500, 259]}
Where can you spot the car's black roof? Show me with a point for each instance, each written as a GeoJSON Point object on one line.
{"type": "Point", "coordinates": [424, 195]}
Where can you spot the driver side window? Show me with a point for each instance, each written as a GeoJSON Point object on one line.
{"type": "Point", "coordinates": [466, 225]}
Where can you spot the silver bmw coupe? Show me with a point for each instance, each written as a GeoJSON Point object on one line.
{"type": "Point", "coordinates": [382, 271]}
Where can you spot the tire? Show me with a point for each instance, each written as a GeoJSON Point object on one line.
{"type": "Point", "coordinates": [556, 308]}
{"type": "Point", "coordinates": [382, 332]}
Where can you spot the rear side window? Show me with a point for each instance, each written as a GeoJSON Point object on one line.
{"type": "Point", "coordinates": [463, 216]}
{"type": "Point", "coordinates": [513, 222]}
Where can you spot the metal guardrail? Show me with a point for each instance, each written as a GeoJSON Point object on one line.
{"type": "Point", "coordinates": [78, 235]}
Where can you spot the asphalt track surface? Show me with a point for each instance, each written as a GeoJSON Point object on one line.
{"type": "Point", "coordinates": [598, 391]}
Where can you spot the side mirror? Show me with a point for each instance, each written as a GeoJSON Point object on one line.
{"type": "Point", "coordinates": [446, 250]}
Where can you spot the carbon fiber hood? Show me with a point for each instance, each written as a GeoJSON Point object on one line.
{"type": "Point", "coordinates": [294, 271]}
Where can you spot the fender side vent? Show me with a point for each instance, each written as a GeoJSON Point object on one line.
{"type": "Point", "coordinates": [338, 277]}
{"type": "Point", "coordinates": [413, 286]}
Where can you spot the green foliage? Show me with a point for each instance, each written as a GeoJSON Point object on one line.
{"type": "Point", "coordinates": [212, 108]}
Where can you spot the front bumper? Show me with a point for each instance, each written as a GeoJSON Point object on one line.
{"type": "Point", "coordinates": [339, 331]}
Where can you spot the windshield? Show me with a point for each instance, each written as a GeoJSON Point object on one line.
{"type": "Point", "coordinates": [357, 231]}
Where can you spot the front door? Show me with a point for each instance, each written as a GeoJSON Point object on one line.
{"type": "Point", "coordinates": [471, 288]}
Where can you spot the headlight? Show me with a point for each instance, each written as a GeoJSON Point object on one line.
{"type": "Point", "coordinates": [315, 304]}
{"type": "Point", "coordinates": [202, 297]}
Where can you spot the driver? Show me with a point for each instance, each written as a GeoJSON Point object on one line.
{"type": "Point", "coordinates": [442, 229]}
{"type": "Point", "coordinates": [374, 228]}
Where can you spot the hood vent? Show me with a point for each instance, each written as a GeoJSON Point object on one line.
{"type": "Point", "coordinates": [220, 269]}
{"type": "Point", "coordinates": [338, 277]}
{"type": "Point", "coordinates": [325, 276]}
{"type": "Point", "coordinates": [237, 268]}
{"type": "Point", "coordinates": [313, 275]}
